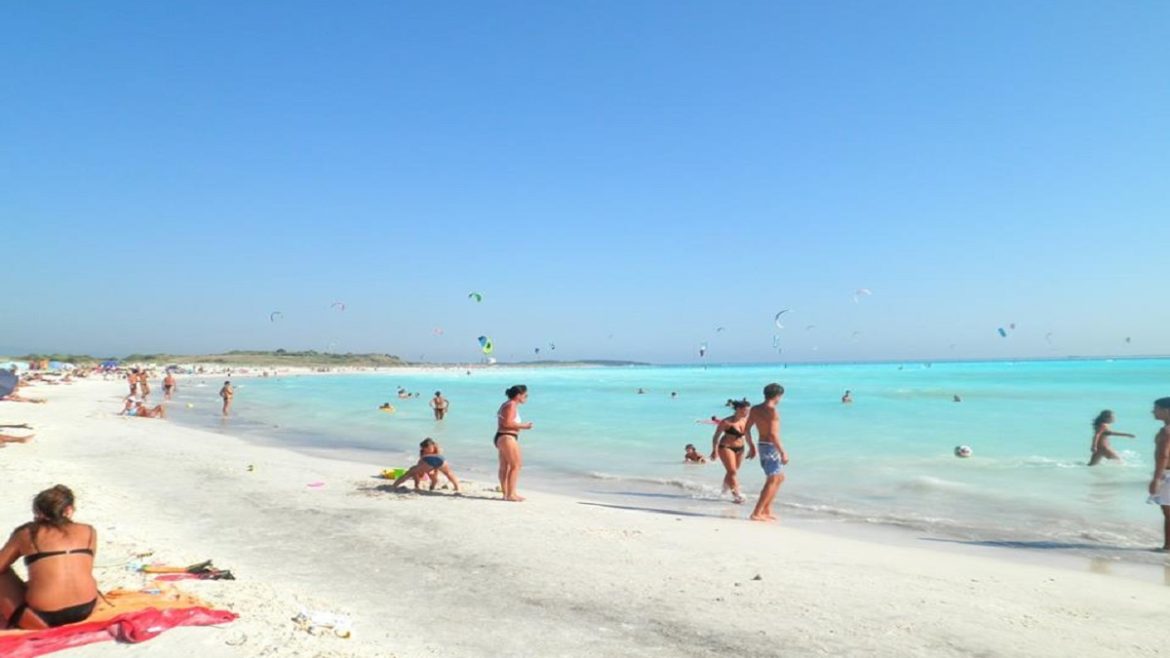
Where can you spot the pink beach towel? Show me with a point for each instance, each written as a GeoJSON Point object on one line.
{"type": "Point", "coordinates": [130, 617]}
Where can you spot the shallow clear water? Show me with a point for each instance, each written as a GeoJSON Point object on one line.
{"type": "Point", "coordinates": [887, 458]}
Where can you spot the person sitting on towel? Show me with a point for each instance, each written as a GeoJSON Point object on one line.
{"type": "Point", "coordinates": [59, 556]}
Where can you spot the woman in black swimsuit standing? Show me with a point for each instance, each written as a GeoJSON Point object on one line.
{"type": "Point", "coordinates": [507, 440]}
{"type": "Point", "coordinates": [727, 444]}
{"type": "Point", "coordinates": [59, 556]}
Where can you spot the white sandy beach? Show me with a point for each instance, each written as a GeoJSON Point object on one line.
{"type": "Point", "coordinates": [436, 575]}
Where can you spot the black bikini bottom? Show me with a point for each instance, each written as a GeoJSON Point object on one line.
{"type": "Point", "coordinates": [54, 618]}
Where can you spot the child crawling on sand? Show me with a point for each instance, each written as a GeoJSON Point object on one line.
{"type": "Point", "coordinates": [430, 463]}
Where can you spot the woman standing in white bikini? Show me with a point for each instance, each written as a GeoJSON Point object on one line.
{"type": "Point", "coordinates": [507, 440]}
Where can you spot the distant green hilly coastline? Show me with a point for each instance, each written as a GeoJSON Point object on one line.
{"type": "Point", "coordinates": [285, 358]}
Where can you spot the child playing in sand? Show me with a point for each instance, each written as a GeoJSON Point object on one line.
{"type": "Point", "coordinates": [693, 456]}
{"type": "Point", "coordinates": [430, 463]}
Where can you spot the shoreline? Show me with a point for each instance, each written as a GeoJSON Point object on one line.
{"type": "Point", "coordinates": [439, 575]}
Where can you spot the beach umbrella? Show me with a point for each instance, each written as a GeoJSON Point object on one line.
{"type": "Point", "coordinates": [8, 382]}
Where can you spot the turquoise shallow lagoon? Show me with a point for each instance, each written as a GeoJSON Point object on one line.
{"type": "Point", "coordinates": [887, 459]}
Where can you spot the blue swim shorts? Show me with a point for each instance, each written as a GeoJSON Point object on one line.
{"type": "Point", "coordinates": [770, 459]}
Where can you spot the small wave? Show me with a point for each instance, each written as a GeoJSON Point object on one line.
{"type": "Point", "coordinates": [929, 483]}
{"type": "Point", "coordinates": [1038, 461]}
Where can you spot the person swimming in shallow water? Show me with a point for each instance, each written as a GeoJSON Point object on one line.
{"type": "Point", "coordinates": [1100, 449]}
{"type": "Point", "coordinates": [692, 455]}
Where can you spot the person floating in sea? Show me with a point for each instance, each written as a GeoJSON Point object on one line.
{"type": "Point", "coordinates": [1100, 448]}
{"type": "Point", "coordinates": [765, 418]}
{"type": "Point", "coordinates": [59, 556]}
{"type": "Point", "coordinates": [958, 399]}
{"type": "Point", "coordinates": [430, 464]}
{"type": "Point", "coordinates": [692, 455]}
{"type": "Point", "coordinates": [674, 395]}
{"type": "Point", "coordinates": [169, 385]}
{"type": "Point", "coordinates": [507, 440]}
{"type": "Point", "coordinates": [847, 398]}
{"type": "Point", "coordinates": [1160, 483]}
{"type": "Point", "coordinates": [728, 442]}
{"type": "Point", "coordinates": [227, 394]}
{"type": "Point", "coordinates": [439, 405]}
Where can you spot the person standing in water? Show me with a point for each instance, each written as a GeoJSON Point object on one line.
{"type": "Point", "coordinates": [847, 398]}
{"type": "Point", "coordinates": [507, 440]}
{"type": "Point", "coordinates": [728, 444]}
{"type": "Point", "coordinates": [1101, 433]}
{"type": "Point", "coordinates": [766, 419]}
{"type": "Point", "coordinates": [439, 405]}
{"type": "Point", "coordinates": [1160, 483]}
{"type": "Point", "coordinates": [169, 385]}
{"type": "Point", "coordinates": [227, 394]}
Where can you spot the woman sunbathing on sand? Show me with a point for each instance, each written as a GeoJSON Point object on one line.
{"type": "Point", "coordinates": [431, 463]}
{"type": "Point", "coordinates": [59, 556]}
{"type": "Point", "coordinates": [728, 442]}
{"type": "Point", "coordinates": [157, 412]}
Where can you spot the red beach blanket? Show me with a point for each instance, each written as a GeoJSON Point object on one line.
{"type": "Point", "coordinates": [129, 616]}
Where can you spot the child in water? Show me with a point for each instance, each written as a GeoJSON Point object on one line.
{"type": "Point", "coordinates": [692, 456]}
{"type": "Point", "coordinates": [430, 463]}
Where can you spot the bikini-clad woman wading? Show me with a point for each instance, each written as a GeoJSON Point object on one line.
{"type": "Point", "coordinates": [728, 442]}
{"type": "Point", "coordinates": [507, 440]}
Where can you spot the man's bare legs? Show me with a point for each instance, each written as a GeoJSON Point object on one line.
{"type": "Point", "coordinates": [763, 510]}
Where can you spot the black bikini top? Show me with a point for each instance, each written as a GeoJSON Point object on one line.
{"type": "Point", "coordinates": [40, 555]}
{"type": "Point", "coordinates": [733, 432]}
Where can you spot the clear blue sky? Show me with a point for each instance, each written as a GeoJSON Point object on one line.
{"type": "Point", "coordinates": [171, 173]}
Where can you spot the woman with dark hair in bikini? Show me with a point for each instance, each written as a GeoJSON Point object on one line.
{"type": "Point", "coordinates": [507, 440]}
{"type": "Point", "coordinates": [727, 444]}
{"type": "Point", "coordinates": [59, 556]}
{"type": "Point", "coordinates": [1102, 430]}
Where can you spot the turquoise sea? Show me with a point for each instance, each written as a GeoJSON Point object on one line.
{"type": "Point", "coordinates": [886, 459]}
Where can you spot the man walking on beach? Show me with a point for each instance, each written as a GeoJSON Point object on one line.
{"type": "Point", "coordinates": [766, 418]}
{"type": "Point", "coordinates": [226, 393]}
{"type": "Point", "coordinates": [1160, 484]}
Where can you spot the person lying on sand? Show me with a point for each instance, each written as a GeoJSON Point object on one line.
{"type": "Point", "coordinates": [692, 455]}
{"type": "Point", "coordinates": [157, 412]}
{"type": "Point", "coordinates": [15, 397]}
{"type": "Point", "coordinates": [58, 554]}
{"type": "Point", "coordinates": [8, 438]}
{"type": "Point", "coordinates": [429, 463]}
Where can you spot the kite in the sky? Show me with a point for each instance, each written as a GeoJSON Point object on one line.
{"type": "Point", "coordinates": [475, 296]}
{"type": "Point", "coordinates": [485, 344]}
{"type": "Point", "coordinates": [779, 325]}
{"type": "Point", "coordinates": [861, 292]}
{"type": "Point", "coordinates": [338, 305]}
{"type": "Point", "coordinates": [1002, 332]}
{"type": "Point", "coordinates": [702, 350]}
{"type": "Point", "coordinates": [275, 315]}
